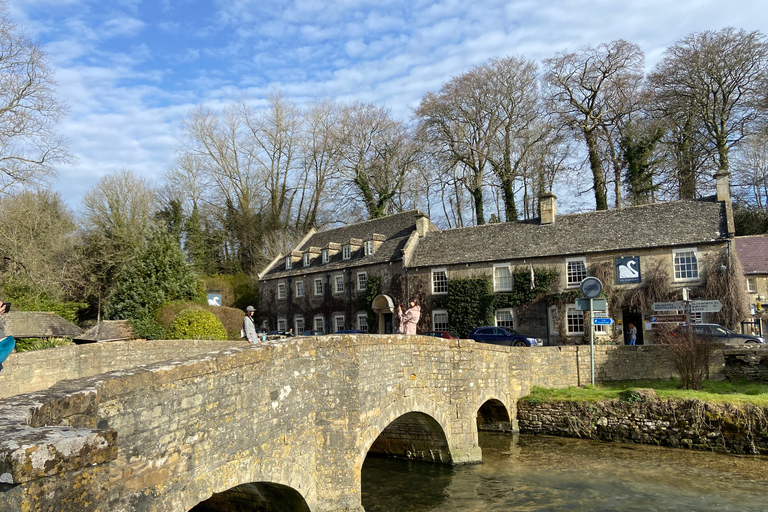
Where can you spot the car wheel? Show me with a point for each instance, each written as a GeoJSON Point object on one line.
{"type": "Point", "coordinates": [519, 343]}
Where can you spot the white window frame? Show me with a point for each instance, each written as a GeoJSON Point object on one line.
{"type": "Point", "coordinates": [282, 291]}
{"type": "Point", "coordinates": [364, 282]}
{"type": "Point", "coordinates": [307, 258]}
{"type": "Point", "coordinates": [695, 253]}
{"type": "Point", "coordinates": [369, 247]}
{"type": "Point", "coordinates": [338, 278]}
{"type": "Point", "coordinates": [298, 329]}
{"type": "Point", "coordinates": [318, 291]}
{"type": "Point", "coordinates": [282, 324]}
{"type": "Point", "coordinates": [338, 326]}
{"type": "Point", "coordinates": [299, 288]}
{"type": "Point", "coordinates": [319, 323]}
{"type": "Point", "coordinates": [503, 324]}
{"type": "Point", "coordinates": [751, 285]}
{"type": "Point", "coordinates": [362, 322]}
{"type": "Point", "coordinates": [570, 311]}
{"type": "Point", "coordinates": [496, 286]}
{"type": "Point", "coordinates": [572, 283]}
{"type": "Point", "coordinates": [325, 255]}
{"type": "Point", "coordinates": [288, 263]}
{"type": "Point", "coordinates": [440, 326]}
{"type": "Point", "coordinates": [346, 252]}
{"type": "Point", "coordinates": [439, 284]}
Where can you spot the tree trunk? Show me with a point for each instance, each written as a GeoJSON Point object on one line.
{"type": "Point", "coordinates": [598, 179]}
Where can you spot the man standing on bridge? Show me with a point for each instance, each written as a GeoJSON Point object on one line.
{"type": "Point", "coordinates": [249, 326]}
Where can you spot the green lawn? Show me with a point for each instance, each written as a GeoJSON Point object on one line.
{"type": "Point", "coordinates": [719, 392]}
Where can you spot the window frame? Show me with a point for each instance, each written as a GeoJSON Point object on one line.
{"type": "Point", "coordinates": [365, 281]}
{"type": "Point", "coordinates": [368, 248]}
{"type": "Point", "coordinates": [336, 317]}
{"type": "Point", "coordinates": [346, 252]}
{"type": "Point", "coordinates": [284, 323]}
{"type": "Point", "coordinates": [288, 263]}
{"type": "Point", "coordinates": [568, 261]}
{"type": "Point", "coordinates": [325, 254]}
{"type": "Point", "coordinates": [321, 323]}
{"type": "Point", "coordinates": [299, 286]}
{"type": "Point", "coordinates": [336, 281]}
{"type": "Point", "coordinates": [675, 253]}
{"type": "Point", "coordinates": [307, 259]}
{"type": "Point", "coordinates": [360, 325]}
{"type": "Point", "coordinates": [434, 274]}
{"type": "Point", "coordinates": [282, 291]}
{"type": "Point", "coordinates": [511, 312]}
{"type": "Point", "coordinates": [571, 311]}
{"type": "Point", "coordinates": [497, 288]}
{"type": "Point", "coordinates": [752, 284]}
{"type": "Point", "coordinates": [315, 282]}
{"type": "Point", "coordinates": [296, 321]}
{"type": "Point", "coordinates": [437, 326]}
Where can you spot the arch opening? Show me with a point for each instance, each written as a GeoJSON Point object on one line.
{"type": "Point", "coordinates": [493, 417]}
{"type": "Point", "coordinates": [384, 308]}
{"type": "Point", "coordinates": [413, 436]}
{"type": "Point", "coordinates": [254, 497]}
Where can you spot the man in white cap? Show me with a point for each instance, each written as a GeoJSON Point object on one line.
{"type": "Point", "coordinates": [249, 325]}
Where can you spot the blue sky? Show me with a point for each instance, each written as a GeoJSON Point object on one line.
{"type": "Point", "coordinates": [130, 70]}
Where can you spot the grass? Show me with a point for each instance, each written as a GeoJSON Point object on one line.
{"type": "Point", "coordinates": [737, 391]}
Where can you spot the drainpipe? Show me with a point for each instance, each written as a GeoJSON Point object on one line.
{"type": "Point", "coordinates": [407, 287]}
{"type": "Point", "coordinates": [289, 316]}
{"type": "Point", "coordinates": [327, 302]}
{"type": "Point", "coordinates": [347, 321]}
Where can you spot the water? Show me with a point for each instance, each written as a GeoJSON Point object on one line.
{"type": "Point", "coordinates": [540, 473]}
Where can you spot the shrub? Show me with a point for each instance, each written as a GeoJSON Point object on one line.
{"type": "Point", "coordinates": [196, 324]}
{"type": "Point", "coordinates": [30, 344]}
{"type": "Point", "coordinates": [232, 318]}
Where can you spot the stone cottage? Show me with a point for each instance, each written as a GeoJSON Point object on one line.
{"type": "Point", "coordinates": [753, 255]}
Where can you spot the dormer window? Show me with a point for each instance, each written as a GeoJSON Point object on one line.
{"type": "Point", "coordinates": [346, 252]}
{"type": "Point", "coordinates": [326, 256]}
{"type": "Point", "coordinates": [306, 259]}
{"type": "Point", "coordinates": [368, 248]}
{"type": "Point", "coordinates": [288, 263]}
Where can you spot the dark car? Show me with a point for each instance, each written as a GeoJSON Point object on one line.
{"type": "Point", "coordinates": [312, 333]}
{"type": "Point", "coordinates": [351, 331]}
{"type": "Point", "coordinates": [441, 334]}
{"type": "Point", "coordinates": [719, 334]}
{"type": "Point", "coordinates": [503, 336]}
{"type": "Point", "coordinates": [280, 333]}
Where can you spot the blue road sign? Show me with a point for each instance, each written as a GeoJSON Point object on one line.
{"type": "Point", "coordinates": [602, 321]}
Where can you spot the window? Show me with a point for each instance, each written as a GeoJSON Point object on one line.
{"type": "Point", "coordinates": [574, 320]}
{"type": "Point", "coordinates": [504, 318]}
{"type": "Point", "coordinates": [298, 325]}
{"type": "Point", "coordinates": [288, 263]}
{"type": "Point", "coordinates": [502, 278]}
{"type": "Point", "coordinates": [368, 248]}
{"type": "Point", "coordinates": [281, 323]}
{"type": "Point", "coordinates": [440, 320]}
{"type": "Point", "coordinates": [362, 281]}
{"type": "Point", "coordinates": [346, 252]}
{"type": "Point", "coordinates": [320, 323]}
{"type": "Point", "coordinates": [326, 256]}
{"type": "Point", "coordinates": [306, 259]}
{"type": "Point", "coordinates": [575, 270]}
{"type": "Point", "coordinates": [338, 322]}
{"type": "Point", "coordinates": [752, 284]}
{"type": "Point", "coordinates": [339, 284]}
{"type": "Point", "coordinates": [439, 281]}
{"type": "Point", "coordinates": [318, 286]}
{"type": "Point", "coordinates": [299, 288]}
{"type": "Point", "coordinates": [362, 321]}
{"type": "Point", "coordinates": [281, 291]}
{"type": "Point", "coordinates": [686, 265]}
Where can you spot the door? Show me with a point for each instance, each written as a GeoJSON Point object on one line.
{"type": "Point", "coordinates": [388, 323]}
{"type": "Point", "coordinates": [635, 318]}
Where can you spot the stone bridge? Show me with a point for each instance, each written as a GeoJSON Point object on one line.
{"type": "Point", "coordinates": [288, 424]}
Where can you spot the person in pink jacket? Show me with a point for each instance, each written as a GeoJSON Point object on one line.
{"type": "Point", "coordinates": [409, 318]}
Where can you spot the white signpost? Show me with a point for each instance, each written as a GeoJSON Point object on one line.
{"type": "Point", "coordinates": [669, 306]}
{"type": "Point", "coordinates": [706, 306]}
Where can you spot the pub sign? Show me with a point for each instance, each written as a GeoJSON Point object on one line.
{"type": "Point", "coordinates": [628, 270]}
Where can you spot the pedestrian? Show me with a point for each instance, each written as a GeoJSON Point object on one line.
{"type": "Point", "coordinates": [408, 319]}
{"type": "Point", "coordinates": [632, 334]}
{"type": "Point", "coordinates": [249, 326]}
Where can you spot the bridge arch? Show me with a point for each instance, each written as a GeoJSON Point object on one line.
{"type": "Point", "coordinates": [255, 496]}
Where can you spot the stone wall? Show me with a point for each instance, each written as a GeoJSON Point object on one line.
{"type": "Point", "coordinates": [24, 372]}
{"type": "Point", "coordinates": [749, 364]}
{"type": "Point", "coordinates": [676, 423]}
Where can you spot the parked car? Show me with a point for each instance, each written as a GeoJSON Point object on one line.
{"type": "Point", "coordinates": [280, 333]}
{"type": "Point", "coordinates": [312, 333]}
{"type": "Point", "coordinates": [504, 336]}
{"type": "Point", "coordinates": [351, 331]}
{"type": "Point", "coordinates": [719, 334]}
{"type": "Point", "coordinates": [441, 334]}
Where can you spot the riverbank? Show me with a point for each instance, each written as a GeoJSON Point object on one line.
{"type": "Point", "coordinates": [641, 416]}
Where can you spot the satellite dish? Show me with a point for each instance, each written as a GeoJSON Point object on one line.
{"type": "Point", "coordinates": [591, 287]}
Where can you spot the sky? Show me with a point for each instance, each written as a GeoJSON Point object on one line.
{"type": "Point", "coordinates": [131, 70]}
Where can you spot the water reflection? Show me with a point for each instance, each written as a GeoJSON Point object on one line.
{"type": "Point", "coordinates": [548, 473]}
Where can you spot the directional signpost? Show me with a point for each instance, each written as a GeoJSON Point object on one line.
{"type": "Point", "coordinates": [592, 287]}
{"type": "Point", "coordinates": [667, 319]}
{"type": "Point", "coordinates": [602, 321]}
{"type": "Point", "coordinates": [706, 306]}
{"type": "Point", "coordinates": [669, 306]}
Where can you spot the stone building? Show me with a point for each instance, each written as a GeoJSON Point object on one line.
{"type": "Point", "coordinates": [753, 255]}
{"type": "Point", "coordinates": [528, 272]}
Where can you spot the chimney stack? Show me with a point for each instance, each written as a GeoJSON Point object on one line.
{"type": "Point", "coordinates": [547, 207]}
{"type": "Point", "coordinates": [723, 182]}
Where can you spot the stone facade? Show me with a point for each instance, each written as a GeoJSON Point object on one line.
{"type": "Point", "coordinates": [302, 414]}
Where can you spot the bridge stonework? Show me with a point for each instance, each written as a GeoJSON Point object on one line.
{"type": "Point", "coordinates": [302, 414]}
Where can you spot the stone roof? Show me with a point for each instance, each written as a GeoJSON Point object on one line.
{"type": "Point", "coordinates": [108, 330]}
{"type": "Point", "coordinates": [395, 230]}
{"type": "Point", "coordinates": [676, 223]}
{"type": "Point", "coordinates": [37, 324]}
{"type": "Point", "coordinates": [753, 253]}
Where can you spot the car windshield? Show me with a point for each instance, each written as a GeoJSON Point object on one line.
{"type": "Point", "coordinates": [721, 331]}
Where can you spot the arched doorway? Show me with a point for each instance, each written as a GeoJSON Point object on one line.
{"type": "Point", "coordinates": [384, 308]}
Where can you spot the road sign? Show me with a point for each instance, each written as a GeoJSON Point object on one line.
{"type": "Point", "coordinates": [599, 314]}
{"type": "Point", "coordinates": [597, 304]}
{"type": "Point", "coordinates": [591, 287]}
{"type": "Point", "coordinates": [666, 319]}
{"type": "Point", "coordinates": [602, 321]}
{"type": "Point", "coordinates": [669, 306]}
{"type": "Point", "coordinates": [706, 306]}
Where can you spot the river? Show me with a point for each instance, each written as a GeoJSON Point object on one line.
{"type": "Point", "coordinates": [527, 473]}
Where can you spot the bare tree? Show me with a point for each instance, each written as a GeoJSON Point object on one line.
{"type": "Point", "coordinates": [717, 79]}
{"type": "Point", "coordinates": [590, 90]}
{"type": "Point", "coordinates": [751, 170]}
{"type": "Point", "coordinates": [30, 147]}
